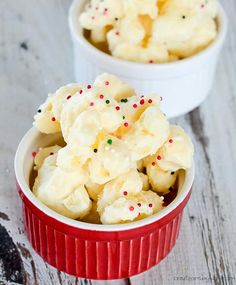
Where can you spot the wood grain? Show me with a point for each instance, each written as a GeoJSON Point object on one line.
{"type": "Point", "coordinates": [35, 58]}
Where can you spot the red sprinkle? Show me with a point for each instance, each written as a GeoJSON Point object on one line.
{"type": "Point", "coordinates": [135, 106]}
{"type": "Point", "coordinates": [142, 96]}
{"type": "Point", "coordinates": [150, 101]}
{"type": "Point", "coordinates": [170, 141]}
{"type": "Point", "coordinates": [142, 102]}
{"type": "Point", "coordinates": [153, 163]}
{"type": "Point", "coordinates": [131, 208]}
{"type": "Point", "coordinates": [139, 204]}
{"type": "Point", "coordinates": [81, 91]}
{"type": "Point", "coordinates": [34, 153]}
{"type": "Point", "coordinates": [125, 193]}
{"type": "Point", "coordinates": [119, 137]}
{"type": "Point", "coordinates": [126, 124]}
{"type": "Point", "coordinates": [117, 108]}
{"type": "Point", "coordinates": [89, 86]}
{"type": "Point", "coordinates": [139, 214]}
{"type": "Point", "coordinates": [159, 157]}
{"type": "Point", "coordinates": [68, 97]}
{"type": "Point", "coordinates": [150, 205]}
{"type": "Point", "coordinates": [91, 104]}
{"type": "Point", "coordinates": [107, 83]}
{"type": "Point", "coordinates": [53, 119]}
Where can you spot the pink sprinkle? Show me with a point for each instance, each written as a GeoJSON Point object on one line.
{"type": "Point", "coordinates": [34, 153]}
{"type": "Point", "coordinates": [131, 208]}
{"type": "Point", "coordinates": [139, 204]}
{"type": "Point", "coordinates": [158, 157]}
{"type": "Point", "coordinates": [107, 83]}
{"type": "Point", "coordinates": [53, 119]}
{"type": "Point", "coordinates": [91, 104]}
{"type": "Point", "coordinates": [101, 96]}
{"type": "Point", "coordinates": [125, 193]}
{"type": "Point", "coordinates": [170, 141]}
{"type": "Point", "coordinates": [126, 124]}
{"type": "Point", "coordinates": [150, 101]}
{"type": "Point", "coordinates": [135, 106]}
{"type": "Point", "coordinates": [81, 91]}
{"type": "Point", "coordinates": [89, 86]}
{"type": "Point", "coordinates": [117, 108]}
{"type": "Point", "coordinates": [150, 205]}
{"type": "Point", "coordinates": [153, 163]}
{"type": "Point", "coordinates": [142, 102]}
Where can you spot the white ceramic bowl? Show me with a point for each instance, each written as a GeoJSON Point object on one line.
{"type": "Point", "coordinates": [184, 84]}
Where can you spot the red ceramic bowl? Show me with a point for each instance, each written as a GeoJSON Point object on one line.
{"type": "Point", "coordinates": [89, 250]}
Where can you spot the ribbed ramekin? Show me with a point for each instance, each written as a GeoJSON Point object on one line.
{"type": "Point", "coordinates": [184, 84]}
{"type": "Point", "coordinates": [95, 251]}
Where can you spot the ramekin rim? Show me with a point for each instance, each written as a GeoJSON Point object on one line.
{"type": "Point", "coordinates": [18, 166]}
{"type": "Point", "coordinates": [73, 15]}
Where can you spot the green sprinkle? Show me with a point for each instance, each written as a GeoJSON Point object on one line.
{"type": "Point", "coordinates": [125, 100]}
{"type": "Point", "coordinates": [109, 141]}
{"type": "Point", "coordinates": [123, 117]}
{"type": "Point", "coordinates": [107, 101]}
{"type": "Point", "coordinates": [172, 173]}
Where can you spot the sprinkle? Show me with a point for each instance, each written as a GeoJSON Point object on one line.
{"type": "Point", "coordinates": [95, 150]}
{"type": "Point", "coordinates": [93, 18]}
{"type": "Point", "coordinates": [119, 137]}
{"type": "Point", "coordinates": [150, 205]}
{"type": "Point", "coordinates": [116, 19]}
{"type": "Point", "coordinates": [68, 97]}
{"type": "Point", "coordinates": [139, 204]}
{"type": "Point", "coordinates": [117, 33]}
{"type": "Point", "coordinates": [183, 17]}
{"type": "Point", "coordinates": [161, 98]}
{"type": "Point", "coordinates": [89, 86]}
{"type": "Point", "coordinates": [153, 163]}
{"type": "Point", "coordinates": [107, 83]}
{"type": "Point", "coordinates": [126, 124]}
{"type": "Point", "coordinates": [150, 101]}
{"type": "Point", "coordinates": [124, 100]}
{"type": "Point", "coordinates": [109, 141]}
{"type": "Point", "coordinates": [139, 214]}
{"type": "Point", "coordinates": [142, 96]}
{"type": "Point", "coordinates": [151, 61]}
{"type": "Point", "coordinates": [107, 101]}
{"type": "Point", "coordinates": [105, 10]}
{"type": "Point", "coordinates": [81, 91]}
{"type": "Point", "coordinates": [91, 104]}
{"type": "Point", "coordinates": [53, 119]}
{"type": "Point", "coordinates": [131, 208]}
{"type": "Point", "coordinates": [125, 193]}
{"type": "Point", "coordinates": [170, 141]}
{"type": "Point", "coordinates": [123, 117]}
{"type": "Point", "coordinates": [142, 102]}
{"type": "Point", "coordinates": [39, 110]}
{"type": "Point", "coordinates": [51, 153]}
{"type": "Point", "coordinates": [172, 173]}
{"type": "Point", "coordinates": [34, 153]}
{"type": "Point", "coordinates": [202, 6]}
{"type": "Point", "coordinates": [117, 108]}
{"type": "Point", "coordinates": [158, 157]}
{"type": "Point", "coordinates": [101, 96]}
{"type": "Point", "coordinates": [135, 106]}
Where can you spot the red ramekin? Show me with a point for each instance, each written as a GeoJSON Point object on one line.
{"type": "Point", "coordinates": [95, 251]}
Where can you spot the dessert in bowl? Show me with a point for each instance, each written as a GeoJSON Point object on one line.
{"type": "Point", "coordinates": [108, 177]}
{"type": "Point", "coordinates": [171, 48]}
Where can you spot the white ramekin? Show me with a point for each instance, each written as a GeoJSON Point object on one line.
{"type": "Point", "coordinates": [184, 84]}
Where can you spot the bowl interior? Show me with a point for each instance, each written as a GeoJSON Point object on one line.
{"type": "Point", "coordinates": [23, 168]}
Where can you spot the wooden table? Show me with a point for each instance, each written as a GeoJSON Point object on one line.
{"type": "Point", "coordinates": [35, 58]}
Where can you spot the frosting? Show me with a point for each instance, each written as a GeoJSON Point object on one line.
{"type": "Point", "coordinates": [120, 153]}
{"type": "Point", "coordinates": [151, 31]}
